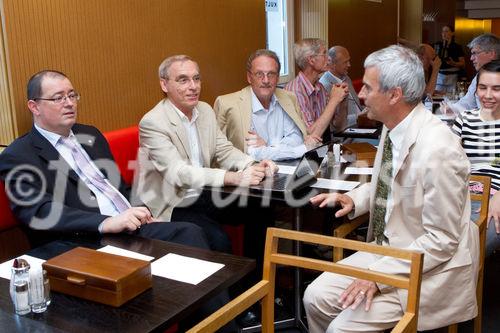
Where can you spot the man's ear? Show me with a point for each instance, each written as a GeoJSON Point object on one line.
{"type": "Point", "coordinates": [163, 85]}
{"type": "Point", "coordinates": [249, 80]}
{"type": "Point", "coordinates": [396, 95]}
{"type": "Point", "coordinates": [33, 107]}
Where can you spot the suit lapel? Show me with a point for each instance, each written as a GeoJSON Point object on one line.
{"type": "Point", "coordinates": [245, 107]}
{"type": "Point", "coordinates": [48, 153]}
{"type": "Point", "coordinates": [179, 129]}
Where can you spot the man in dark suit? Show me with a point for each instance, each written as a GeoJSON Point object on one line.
{"type": "Point", "coordinates": [49, 190]}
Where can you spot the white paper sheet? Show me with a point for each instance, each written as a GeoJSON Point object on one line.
{"type": "Point", "coordinates": [5, 267]}
{"type": "Point", "coordinates": [185, 269]}
{"type": "Point", "coordinates": [358, 171]}
{"type": "Point", "coordinates": [361, 130]}
{"type": "Point", "coordinates": [286, 169]}
{"type": "Point", "coordinates": [332, 184]}
{"type": "Point", "coordinates": [125, 253]}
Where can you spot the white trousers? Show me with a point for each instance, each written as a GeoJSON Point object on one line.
{"type": "Point", "coordinates": [325, 314]}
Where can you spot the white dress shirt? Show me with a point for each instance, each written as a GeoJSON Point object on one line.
{"type": "Point", "coordinates": [283, 138]}
{"type": "Point", "coordinates": [106, 206]}
{"type": "Point", "coordinates": [397, 136]}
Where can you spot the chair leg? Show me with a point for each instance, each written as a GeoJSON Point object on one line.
{"type": "Point", "coordinates": [453, 328]}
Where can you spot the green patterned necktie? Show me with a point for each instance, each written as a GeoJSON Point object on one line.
{"type": "Point", "coordinates": [382, 191]}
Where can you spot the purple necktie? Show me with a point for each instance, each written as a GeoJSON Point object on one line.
{"type": "Point", "coordinates": [85, 167]}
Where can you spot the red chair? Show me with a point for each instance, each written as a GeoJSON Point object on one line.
{"type": "Point", "coordinates": [357, 85]}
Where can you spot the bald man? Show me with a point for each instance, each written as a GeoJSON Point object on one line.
{"type": "Point", "coordinates": [431, 63]}
{"type": "Point", "coordinates": [338, 67]}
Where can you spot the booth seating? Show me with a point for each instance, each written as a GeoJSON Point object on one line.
{"type": "Point", "coordinates": [124, 144]}
{"type": "Point", "coordinates": [357, 85]}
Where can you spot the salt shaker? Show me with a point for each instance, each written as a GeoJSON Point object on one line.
{"type": "Point", "coordinates": [19, 286]}
{"type": "Point", "coordinates": [37, 294]}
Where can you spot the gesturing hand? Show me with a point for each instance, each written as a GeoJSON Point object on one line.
{"type": "Point", "coordinates": [333, 199]}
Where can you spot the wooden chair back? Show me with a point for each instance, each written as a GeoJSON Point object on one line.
{"type": "Point", "coordinates": [482, 223]}
{"type": "Point", "coordinates": [264, 289]}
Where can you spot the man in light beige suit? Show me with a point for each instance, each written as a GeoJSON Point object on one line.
{"type": "Point", "coordinates": [260, 119]}
{"type": "Point", "coordinates": [425, 207]}
{"type": "Point", "coordinates": [183, 150]}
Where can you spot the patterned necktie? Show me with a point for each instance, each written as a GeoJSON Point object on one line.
{"type": "Point", "coordinates": [94, 177]}
{"type": "Point", "coordinates": [382, 191]}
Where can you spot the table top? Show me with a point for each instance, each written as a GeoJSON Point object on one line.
{"type": "Point", "coordinates": [156, 309]}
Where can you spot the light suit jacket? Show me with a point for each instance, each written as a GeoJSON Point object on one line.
{"type": "Point", "coordinates": [234, 113]}
{"type": "Point", "coordinates": [165, 168]}
{"type": "Point", "coordinates": [430, 214]}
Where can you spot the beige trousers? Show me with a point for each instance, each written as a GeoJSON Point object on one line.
{"type": "Point", "coordinates": [325, 314]}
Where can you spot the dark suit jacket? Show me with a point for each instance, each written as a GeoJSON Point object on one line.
{"type": "Point", "coordinates": [46, 194]}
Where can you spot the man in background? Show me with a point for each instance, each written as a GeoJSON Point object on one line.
{"type": "Point", "coordinates": [318, 105]}
{"type": "Point", "coordinates": [431, 63]}
{"type": "Point", "coordinates": [337, 73]}
{"type": "Point", "coordinates": [483, 49]}
{"type": "Point", "coordinates": [262, 120]}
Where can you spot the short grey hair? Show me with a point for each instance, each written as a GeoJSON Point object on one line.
{"type": "Point", "coordinates": [165, 64]}
{"type": "Point", "coordinates": [305, 48]}
{"type": "Point", "coordinates": [487, 43]}
{"type": "Point", "coordinates": [399, 66]}
{"type": "Point", "coordinates": [265, 53]}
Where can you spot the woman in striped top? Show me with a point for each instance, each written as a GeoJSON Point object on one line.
{"type": "Point", "coordinates": [480, 134]}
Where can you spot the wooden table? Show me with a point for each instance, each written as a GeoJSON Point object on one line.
{"type": "Point", "coordinates": [154, 310]}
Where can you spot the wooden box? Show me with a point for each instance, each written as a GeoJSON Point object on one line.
{"type": "Point", "coordinates": [98, 276]}
{"type": "Point", "coordinates": [361, 152]}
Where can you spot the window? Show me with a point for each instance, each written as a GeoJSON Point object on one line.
{"type": "Point", "coordinates": [279, 18]}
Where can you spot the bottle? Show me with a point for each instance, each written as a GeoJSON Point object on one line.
{"type": "Point", "coordinates": [19, 286]}
{"type": "Point", "coordinates": [37, 295]}
{"type": "Point", "coordinates": [46, 288]}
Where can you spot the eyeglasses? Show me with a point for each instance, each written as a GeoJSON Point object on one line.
{"type": "Point", "coordinates": [475, 53]}
{"type": "Point", "coordinates": [262, 75]}
{"type": "Point", "coordinates": [184, 80]}
{"type": "Point", "coordinates": [73, 97]}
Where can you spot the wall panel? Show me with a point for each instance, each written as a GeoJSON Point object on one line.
{"type": "Point", "coordinates": [111, 49]}
{"type": "Point", "coordinates": [363, 27]}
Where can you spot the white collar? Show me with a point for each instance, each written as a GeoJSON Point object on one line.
{"type": "Point", "coordinates": [397, 134]}
{"type": "Point", "coordinates": [181, 114]}
{"type": "Point", "coordinates": [257, 105]}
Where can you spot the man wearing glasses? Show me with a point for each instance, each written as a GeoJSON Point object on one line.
{"type": "Point", "coordinates": [318, 105]}
{"type": "Point", "coordinates": [338, 67]}
{"type": "Point", "coordinates": [62, 180]}
{"type": "Point", "coordinates": [183, 150]}
{"type": "Point", "coordinates": [260, 119]}
{"type": "Point", "coordinates": [483, 49]}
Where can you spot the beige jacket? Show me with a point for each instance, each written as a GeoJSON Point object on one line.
{"type": "Point", "coordinates": [430, 214]}
{"type": "Point", "coordinates": [165, 170]}
{"type": "Point", "coordinates": [234, 112]}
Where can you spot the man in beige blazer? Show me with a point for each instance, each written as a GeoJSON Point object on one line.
{"type": "Point", "coordinates": [260, 119]}
{"type": "Point", "coordinates": [183, 150]}
{"type": "Point", "coordinates": [427, 209]}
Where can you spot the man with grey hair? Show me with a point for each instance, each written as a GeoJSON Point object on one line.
{"type": "Point", "coordinates": [261, 119]}
{"type": "Point", "coordinates": [183, 150]}
{"type": "Point", "coordinates": [483, 49]}
{"type": "Point", "coordinates": [317, 104]}
{"type": "Point", "coordinates": [418, 199]}
{"type": "Point", "coordinates": [338, 67]}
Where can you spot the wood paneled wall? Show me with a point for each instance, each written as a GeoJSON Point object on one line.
{"type": "Point", "coordinates": [363, 27]}
{"type": "Point", "coordinates": [111, 49]}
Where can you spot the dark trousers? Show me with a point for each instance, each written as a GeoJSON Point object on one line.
{"type": "Point", "coordinates": [180, 232]}
{"type": "Point", "coordinates": [209, 217]}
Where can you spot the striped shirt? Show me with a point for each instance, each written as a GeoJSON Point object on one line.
{"type": "Point", "coordinates": [481, 142]}
{"type": "Point", "coordinates": [312, 99]}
